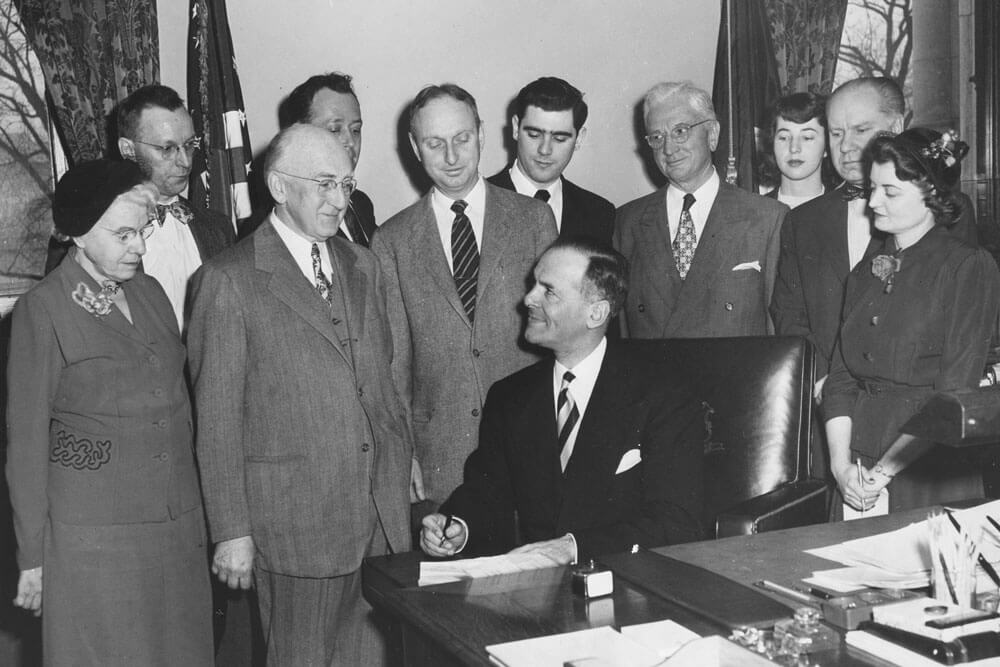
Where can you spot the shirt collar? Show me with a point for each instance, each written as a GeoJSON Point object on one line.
{"type": "Point", "coordinates": [525, 186]}
{"type": "Point", "coordinates": [704, 194]}
{"type": "Point", "coordinates": [301, 248]}
{"type": "Point", "coordinates": [585, 374]}
{"type": "Point", "coordinates": [476, 198]}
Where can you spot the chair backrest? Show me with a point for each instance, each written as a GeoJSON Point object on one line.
{"type": "Point", "coordinates": [757, 394]}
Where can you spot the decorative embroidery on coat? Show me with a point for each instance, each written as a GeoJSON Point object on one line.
{"type": "Point", "coordinates": [80, 453]}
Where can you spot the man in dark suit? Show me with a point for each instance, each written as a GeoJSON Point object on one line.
{"type": "Point", "coordinates": [329, 101]}
{"type": "Point", "coordinates": [548, 126]}
{"type": "Point", "coordinates": [823, 239]}
{"type": "Point", "coordinates": [155, 131]}
{"type": "Point", "coordinates": [455, 264]}
{"type": "Point", "coordinates": [302, 441]}
{"type": "Point", "coordinates": [595, 451]}
{"type": "Point", "coordinates": [703, 253]}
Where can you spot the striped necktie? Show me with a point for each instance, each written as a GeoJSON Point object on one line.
{"type": "Point", "coordinates": [464, 258]}
{"type": "Point", "coordinates": [566, 417]}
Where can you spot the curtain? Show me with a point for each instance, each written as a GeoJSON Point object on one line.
{"type": "Point", "coordinates": [806, 38]}
{"type": "Point", "coordinates": [93, 54]}
{"type": "Point", "coordinates": [219, 174]}
{"type": "Point", "coordinates": [741, 100]}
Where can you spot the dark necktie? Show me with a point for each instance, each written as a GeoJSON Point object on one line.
{"type": "Point", "coordinates": [353, 224]}
{"type": "Point", "coordinates": [464, 258]}
{"type": "Point", "coordinates": [852, 192]}
{"type": "Point", "coordinates": [686, 242]}
{"type": "Point", "coordinates": [566, 417]}
{"type": "Point", "coordinates": [543, 195]}
{"type": "Point", "coordinates": [321, 283]}
{"type": "Point", "coordinates": [179, 209]}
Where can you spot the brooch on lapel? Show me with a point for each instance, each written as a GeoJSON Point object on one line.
{"type": "Point", "coordinates": [98, 305]}
{"type": "Point", "coordinates": [884, 267]}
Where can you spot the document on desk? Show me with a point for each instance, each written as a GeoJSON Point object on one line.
{"type": "Point", "coordinates": [442, 572]}
{"type": "Point", "coordinates": [903, 556]}
{"type": "Point", "coordinates": [597, 646]}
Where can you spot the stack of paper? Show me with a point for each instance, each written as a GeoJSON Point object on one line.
{"type": "Point", "coordinates": [442, 572]}
{"type": "Point", "coordinates": [595, 647]}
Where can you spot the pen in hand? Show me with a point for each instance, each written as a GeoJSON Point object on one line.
{"type": "Point", "coordinates": [444, 531]}
{"type": "Point", "coordinates": [861, 485]}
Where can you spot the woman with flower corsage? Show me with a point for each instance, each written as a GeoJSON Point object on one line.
{"type": "Point", "coordinates": [917, 320]}
{"type": "Point", "coordinates": [99, 458]}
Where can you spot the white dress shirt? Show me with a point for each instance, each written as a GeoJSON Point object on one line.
{"type": "Point", "coordinates": [301, 249]}
{"type": "Point", "coordinates": [582, 386]}
{"type": "Point", "coordinates": [172, 257]}
{"type": "Point", "coordinates": [476, 212]}
{"type": "Point", "coordinates": [704, 197]}
{"type": "Point", "coordinates": [524, 186]}
{"type": "Point", "coordinates": [859, 230]}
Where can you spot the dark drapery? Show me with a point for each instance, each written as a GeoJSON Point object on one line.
{"type": "Point", "coordinates": [219, 173]}
{"type": "Point", "coordinates": [754, 86]}
{"type": "Point", "coordinates": [93, 53]}
{"type": "Point", "coordinates": [806, 37]}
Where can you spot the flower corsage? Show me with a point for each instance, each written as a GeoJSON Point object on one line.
{"type": "Point", "coordinates": [884, 267]}
{"type": "Point", "coordinates": [98, 305]}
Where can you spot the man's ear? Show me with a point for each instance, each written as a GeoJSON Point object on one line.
{"type": "Point", "coordinates": [413, 145]}
{"type": "Point", "coordinates": [713, 135]}
{"type": "Point", "coordinates": [276, 186]}
{"type": "Point", "coordinates": [897, 124]}
{"type": "Point", "coordinates": [126, 148]}
{"type": "Point", "coordinates": [600, 313]}
{"type": "Point", "coordinates": [578, 144]}
{"type": "Point", "coordinates": [515, 124]}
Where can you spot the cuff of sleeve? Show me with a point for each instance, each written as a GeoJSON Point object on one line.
{"type": "Point", "coordinates": [465, 526]}
{"type": "Point", "coordinates": [576, 552]}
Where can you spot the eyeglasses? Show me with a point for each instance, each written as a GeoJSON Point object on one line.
{"type": "Point", "coordinates": [678, 134]}
{"type": "Point", "coordinates": [126, 236]}
{"type": "Point", "coordinates": [326, 186]}
{"type": "Point", "coordinates": [171, 151]}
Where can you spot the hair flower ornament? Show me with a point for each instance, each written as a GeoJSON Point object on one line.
{"type": "Point", "coordinates": [884, 267]}
{"type": "Point", "coordinates": [948, 149]}
{"type": "Point", "coordinates": [98, 305]}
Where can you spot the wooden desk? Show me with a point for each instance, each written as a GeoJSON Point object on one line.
{"type": "Point", "coordinates": [451, 624]}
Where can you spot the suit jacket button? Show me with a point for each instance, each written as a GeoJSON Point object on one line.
{"type": "Point", "coordinates": [365, 446]}
{"type": "Point", "coordinates": [475, 353]}
{"type": "Point", "coordinates": [868, 356]}
{"type": "Point", "coordinates": [475, 412]}
{"type": "Point", "coordinates": [361, 392]}
{"type": "Point", "coordinates": [875, 320]}
{"type": "Point", "coordinates": [641, 308]}
{"type": "Point", "coordinates": [729, 306]}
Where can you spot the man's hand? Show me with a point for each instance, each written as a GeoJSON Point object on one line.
{"type": "Point", "coordinates": [233, 562]}
{"type": "Point", "coordinates": [561, 551]}
{"type": "Point", "coordinates": [29, 590]}
{"type": "Point", "coordinates": [436, 542]}
{"type": "Point", "coordinates": [416, 482]}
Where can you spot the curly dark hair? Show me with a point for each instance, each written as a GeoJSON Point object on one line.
{"type": "Point", "coordinates": [916, 156]}
{"type": "Point", "coordinates": [797, 108]}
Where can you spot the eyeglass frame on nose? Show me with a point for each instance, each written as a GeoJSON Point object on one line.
{"type": "Point", "coordinates": [679, 134]}
{"type": "Point", "coordinates": [127, 235]}
{"type": "Point", "coordinates": [171, 151]}
{"type": "Point", "coordinates": [348, 185]}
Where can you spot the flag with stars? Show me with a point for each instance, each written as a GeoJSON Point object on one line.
{"type": "Point", "coordinates": [219, 172]}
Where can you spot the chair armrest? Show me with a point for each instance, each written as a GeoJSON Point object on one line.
{"type": "Point", "coordinates": [790, 505]}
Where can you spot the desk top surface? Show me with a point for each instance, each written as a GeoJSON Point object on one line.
{"type": "Point", "coordinates": [464, 617]}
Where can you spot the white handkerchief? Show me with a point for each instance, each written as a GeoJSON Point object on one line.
{"type": "Point", "coordinates": [755, 265]}
{"type": "Point", "coordinates": [630, 459]}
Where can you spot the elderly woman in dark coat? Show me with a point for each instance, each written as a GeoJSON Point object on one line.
{"type": "Point", "coordinates": [100, 464]}
{"type": "Point", "coordinates": [917, 320]}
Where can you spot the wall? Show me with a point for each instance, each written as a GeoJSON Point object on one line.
{"type": "Point", "coordinates": [613, 51]}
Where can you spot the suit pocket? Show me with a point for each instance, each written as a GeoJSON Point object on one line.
{"type": "Point", "coordinates": [422, 416]}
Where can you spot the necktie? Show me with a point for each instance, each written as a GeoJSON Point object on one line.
{"type": "Point", "coordinates": [464, 258]}
{"type": "Point", "coordinates": [322, 284]}
{"type": "Point", "coordinates": [543, 195]}
{"type": "Point", "coordinates": [852, 192]}
{"type": "Point", "coordinates": [354, 226]}
{"type": "Point", "coordinates": [686, 241]}
{"type": "Point", "coordinates": [179, 209]}
{"type": "Point", "coordinates": [566, 417]}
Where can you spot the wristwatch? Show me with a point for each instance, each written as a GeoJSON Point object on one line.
{"type": "Point", "coordinates": [880, 469]}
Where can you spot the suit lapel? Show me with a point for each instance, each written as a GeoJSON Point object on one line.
{"type": "Point", "coordinates": [427, 244]}
{"type": "Point", "coordinates": [653, 232]}
{"type": "Point", "coordinates": [497, 233]}
{"type": "Point", "coordinates": [538, 441]}
{"type": "Point", "coordinates": [289, 285]}
{"type": "Point", "coordinates": [352, 284]}
{"type": "Point", "coordinates": [74, 275]}
{"type": "Point", "coordinates": [833, 238]}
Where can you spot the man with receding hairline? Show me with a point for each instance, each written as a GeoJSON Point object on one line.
{"type": "Point", "coordinates": [303, 444]}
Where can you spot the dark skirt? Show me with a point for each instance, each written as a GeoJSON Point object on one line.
{"type": "Point", "coordinates": [127, 594]}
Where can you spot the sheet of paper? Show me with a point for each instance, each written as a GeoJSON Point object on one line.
{"type": "Point", "coordinates": [880, 508]}
{"type": "Point", "coordinates": [597, 646]}
{"type": "Point", "coordinates": [664, 637]}
{"type": "Point", "coordinates": [442, 572]}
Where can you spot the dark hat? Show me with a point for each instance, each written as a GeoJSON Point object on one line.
{"type": "Point", "coordinates": [86, 191]}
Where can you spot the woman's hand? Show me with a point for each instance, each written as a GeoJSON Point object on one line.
{"type": "Point", "coordinates": [29, 590]}
{"type": "Point", "coordinates": [855, 495]}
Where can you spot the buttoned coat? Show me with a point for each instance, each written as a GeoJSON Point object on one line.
{"type": "Point", "coordinates": [301, 435]}
{"type": "Point", "coordinates": [719, 297]}
{"type": "Point", "coordinates": [445, 363]}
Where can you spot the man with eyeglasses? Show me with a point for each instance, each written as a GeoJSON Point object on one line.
{"type": "Point", "coordinates": [156, 132]}
{"type": "Point", "coordinates": [703, 253]}
{"type": "Point", "coordinates": [548, 127]}
{"type": "Point", "coordinates": [303, 445]}
{"type": "Point", "coordinates": [455, 264]}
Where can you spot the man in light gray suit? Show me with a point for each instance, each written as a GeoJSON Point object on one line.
{"type": "Point", "coordinates": [703, 253]}
{"type": "Point", "coordinates": [456, 265]}
{"type": "Point", "coordinates": [302, 439]}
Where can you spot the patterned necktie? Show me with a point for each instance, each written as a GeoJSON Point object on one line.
{"type": "Point", "coordinates": [543, 195]}
{"type": "Point", "coordinates": [566, 417]}
{"type": "Point", "coordinates": [464, 258]}
{"type": "Point", "coordinates": [686, 241]}
{"type": "Point", "coordinates": [179, 209]}
{"type": "Point", "coordinates": [852, 192]}
{"type": "Point", "coordinates": [353, 224]}
{"type": "Point", "coordinates": [322, 284]}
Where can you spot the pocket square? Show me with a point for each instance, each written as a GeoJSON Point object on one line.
{"type": "Point", "coordinates": [630, 459]}
{"type": "Point", "coordinates": [755, 265]}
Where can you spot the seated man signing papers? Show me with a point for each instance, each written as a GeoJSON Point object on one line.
{"type": "Point", "coordinates": [594, 451]}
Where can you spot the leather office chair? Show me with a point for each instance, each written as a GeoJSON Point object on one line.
{"type": "Point", "coordinates": [757, 393]}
